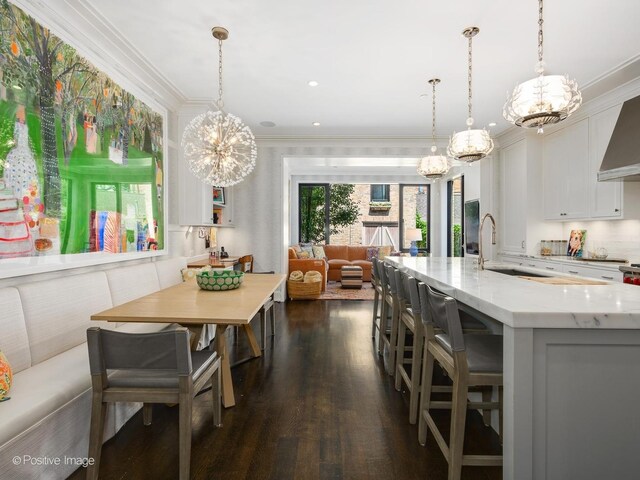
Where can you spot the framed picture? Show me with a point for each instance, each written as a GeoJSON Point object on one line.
{"type": "Point", "coordinates": [83, 177]}
{"type": "Point", "coordinates": [472, 226]}
{"type": "Point", "coordinates": [576, 243]}
{"type": "Point", "coordinates": [218, 195]}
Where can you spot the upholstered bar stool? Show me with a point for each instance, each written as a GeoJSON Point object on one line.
{"type": "Point", "coordinates": [469, 360]}
{"type": "Point", "coordinates": [409, 320]}
{"type": "Point", "coordinates": [376, 283]}
{"type": "Point", "coordinates": [389, 316]}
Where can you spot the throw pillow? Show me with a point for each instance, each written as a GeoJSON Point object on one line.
{"type": "Point", "coordinates": [303, 254]}
{"type": "Point", "coordinates": [296, 248]}
{"type": "Point", "coordinates": [6, 377]}
{"type": "Point", "coordinates": [318, 252]}
{"type": "Point", "coordinates": [189, 273]}
{"type": "Point", "coordinates": [384, 251]}
{"type": "Point", "coordinates": [372, 252]}
{"type": "Point", "coordinates": [307, 247]}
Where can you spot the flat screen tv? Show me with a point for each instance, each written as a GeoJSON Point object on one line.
{"type": "Point", "coordinates": [472, 226]}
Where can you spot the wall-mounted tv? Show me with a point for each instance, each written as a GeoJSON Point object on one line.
{"type": "Point", "coordinates": [471, 226]}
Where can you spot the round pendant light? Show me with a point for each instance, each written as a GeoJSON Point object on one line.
{"type": "Point", "coordinates": [220, 148]}
{"type": "Point", "coordinates": [433, 166]}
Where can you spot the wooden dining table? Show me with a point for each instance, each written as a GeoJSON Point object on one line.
{"type": "Point", "coordinates": [193, 308]}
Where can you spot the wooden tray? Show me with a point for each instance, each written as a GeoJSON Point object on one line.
{"type": "Point", "coordinates": [563, 281]}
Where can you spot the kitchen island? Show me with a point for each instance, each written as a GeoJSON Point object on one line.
{"type": "Point", "coordinates": [571, 367]}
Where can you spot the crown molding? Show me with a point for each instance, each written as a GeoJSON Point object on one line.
{"type": "Point", "coordinates": [80, 25]}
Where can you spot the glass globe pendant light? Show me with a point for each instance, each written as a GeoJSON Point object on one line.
{"type": "Point", "coordinates": [433, 166]}
{"type": "Point", "coordinates": [471, 144]}
{"type": "Point", "coordinates": [544, 100]}
{"type": "Point", "coordinates": [219, 147]}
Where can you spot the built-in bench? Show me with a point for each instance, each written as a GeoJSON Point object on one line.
{"type": "Point", "coordinates": [43, 334]}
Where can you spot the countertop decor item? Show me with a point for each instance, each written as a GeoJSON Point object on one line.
{"type": "Point", "coordinates": [544, 100]}
{"type": "Point", "coordinates": [472, 144]}
{"type": "Point", "coordinates": [576, 243]}
{"type": "Point", "coordinates": [433, 166]}
{"type": "Point", "coordinates": [413, 235]}
{"type": "Point", "coordinates": [219, 147]}
{"type": "Point", "coordinates": [219, 281]}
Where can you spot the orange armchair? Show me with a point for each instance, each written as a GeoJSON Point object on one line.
{"type": "Point", "coordinates": [307, 264]}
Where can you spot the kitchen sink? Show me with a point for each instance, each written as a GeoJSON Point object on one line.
{"type": "Point", "coordinates": [516, 273]}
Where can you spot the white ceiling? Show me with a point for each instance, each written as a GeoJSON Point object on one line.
{"type": "Point", "coordinates": [372, 58]}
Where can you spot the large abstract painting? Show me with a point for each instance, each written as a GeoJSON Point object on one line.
{"type": "Point", "coordinates": [81, 159]}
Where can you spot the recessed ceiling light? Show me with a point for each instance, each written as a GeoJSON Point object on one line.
{"type": "Point", "coordinates": [268, 124]}
{"type": "Point", "coordinates": [492, 124]}
{"type": "Point", "coordinates": [313, 83]}
{"type": "Point", "coordinates": [316, 124]}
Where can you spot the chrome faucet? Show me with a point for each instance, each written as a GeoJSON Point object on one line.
{"type": "Point", "coordinates": [493, 238]}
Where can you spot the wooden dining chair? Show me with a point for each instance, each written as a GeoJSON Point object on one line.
{"type": "Point", "coordinates": [267, 309]}
{"type": "Point", "coordinates": [246, 263]}
{"type": "Point", "coordinates": [469, 360]}
{"type": "Point", "coordinates": [150, 368]}
{"type": "Point", "coordinates": [376, 282]}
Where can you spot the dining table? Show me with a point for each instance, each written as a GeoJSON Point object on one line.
{"type": "Point", "coordinates": [189, 306]}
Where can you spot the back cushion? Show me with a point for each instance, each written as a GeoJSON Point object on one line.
{"type": "Point", "coordinates": [129, 283]}
{"type": "Point", "coordinates": [58, 312]}
{"type": "Point", "coordinates": [336, 252]}
{"type": "Point", "coordinates": [357, 253]}
{"type": "Point", "coordinates": [169, 271]}
{"type": "Point", "coordinates": [14, 342]}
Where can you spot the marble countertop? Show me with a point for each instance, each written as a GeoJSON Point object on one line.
{"type": "Point", "coordinates": [521, 303]}
{"type": "Point", "coordinates": [570, 260]}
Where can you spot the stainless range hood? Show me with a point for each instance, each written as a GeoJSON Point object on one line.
{"type": "Point", "coordinates": [621, 161]}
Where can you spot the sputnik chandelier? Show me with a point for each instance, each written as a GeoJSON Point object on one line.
{"type": "Point", "coordinates": [219, 147]}
{"type": "Point", "coordinates": [471, 144]}
{"type": "Point", "coordinates": [544, 100]}
{"type": "Point", "coordinates": [433, 166]}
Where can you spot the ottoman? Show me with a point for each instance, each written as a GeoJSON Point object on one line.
{"type": "Point", "coordinates": [351, 276]}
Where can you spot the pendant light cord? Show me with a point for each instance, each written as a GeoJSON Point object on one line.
{"type": "Point", "coordinates": [433, 114]}
{"type": "Point", "coordinates": [220, 103]}
{"type": "Point", "coordinates": [540, 35]}
{"type": "Point", "coordinates": [469, 77]}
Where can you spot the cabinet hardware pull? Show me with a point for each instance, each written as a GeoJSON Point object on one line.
{"type": "Point", "coordinates": [531, 264]}
{"type": "Point", "coordinates": [522, 243]}
{"type": "Point", "coordinates": [606, 277]}
{"type": "Point", "coordinates": [573, 271]}
{"type": "Point", "coordinates": [617, 210]}
{"type": "Point", "coordinates": [550, 268]}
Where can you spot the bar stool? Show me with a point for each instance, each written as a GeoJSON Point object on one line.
{"type": "Point", "coordinates": [469, 360]}
{"type": "Point", "coordinates": [389, 316]}
{"type": "Point", "coordinates": [409, 319]}
{"type": "Point", "coordinates": [377, 295]}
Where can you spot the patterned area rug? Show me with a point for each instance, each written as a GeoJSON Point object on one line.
{"type": "Point", "coordinates": [335, 292]}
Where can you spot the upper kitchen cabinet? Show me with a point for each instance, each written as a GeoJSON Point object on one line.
{"type": "Point", "coordinates": [566, 171]}
{"type": "Point", "coordinates": [606, 197]}
{"type": "Point", "coordinates": [196, 206]}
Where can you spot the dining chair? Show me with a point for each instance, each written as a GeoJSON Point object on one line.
{"type": "Point", "coordinates": [267, 309]}
{"type": "Point", "coordinates": [377, 294]}
{"type": "Point", "coordinates": [389, 317]}
{"type": "Point", "coordinates": [469, 360]}
{"type": "Point", "coordinates": [150, 368]}
{"type": "Point", "coordinates": [246, 263]}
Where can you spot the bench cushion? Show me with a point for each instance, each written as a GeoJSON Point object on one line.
{"type": "Point", "coordinates": [169, 271]}
{"type": "Point", "coordinates": [129, 283]}
{"type": "Point", "coordinates": [58, 313]}
{"type": "Point", "coordinates": [13, 337]}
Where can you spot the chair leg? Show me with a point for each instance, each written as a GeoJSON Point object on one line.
{"type": "Point", "coordinates": [272, 316]}
{"type": "Point", "coordinates": [383, 325]}
{"type": "Point", "coordinates": [487, 393]}
{"type": "Point", "coordinates": [263, 327]}
{"type": "Point", "coordinates": [217, 398]}
{"type": "Point", "coordinates": [96, 433]}
{"type": "Point", "coordinates": [458, 420]}
{"type": "Point", "coordinates": [425, 395]}
{"type": "Point", "coordinates": [147, 413]}
{"type": "Point", "coordinates": [185, 435]}
{"type": "Point", "coordinates": [402, 331]}
{"type": "Point", "coordinates": [376, 300]}
{"type": "Point", "coordinates": [416, 365]}
{"type": "Point", "coordinates": [393, 339]}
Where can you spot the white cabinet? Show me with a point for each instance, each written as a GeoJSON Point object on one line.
{"type": "Point", "coordinates": [514, 187]}
{"type": "Point", "coordinates": [607, 274]}
{"type": "Point", "coordinates": [566, 172]}
{"type": "Point", "coordinates": [195, 204]}
{"type": "Point", "coordinates": [606, 197]}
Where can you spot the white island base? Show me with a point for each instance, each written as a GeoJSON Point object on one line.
{"type": "Point", "coordinates": [571, 369]}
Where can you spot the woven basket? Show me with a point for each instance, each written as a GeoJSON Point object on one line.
{"type": "Point", "coordinates": [304, 290]}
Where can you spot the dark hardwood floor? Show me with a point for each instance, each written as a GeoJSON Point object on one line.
{"type": "Point", "coordinates": [317, 405]}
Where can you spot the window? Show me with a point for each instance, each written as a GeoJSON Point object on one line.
{"type": "Point", "coordinates": [380, 193]}
{"type": "Point", "coordinates": [415, 202]}
{"type": "Point", "coordinates": [455, 216]}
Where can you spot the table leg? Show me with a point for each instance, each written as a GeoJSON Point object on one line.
{"type": "Point", "coordinates": [196, 333]}
{"type": "Point", "coordinates": [255, 348]}
{"type": "Point", "coordinates": [228, 398]}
